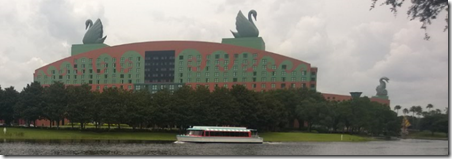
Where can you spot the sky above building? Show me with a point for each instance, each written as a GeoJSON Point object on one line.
{"type": "Point", "coordinates": [352, 46]}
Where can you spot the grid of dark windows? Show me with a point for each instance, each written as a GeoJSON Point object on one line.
{"type": "Point", "coordinates": [159, 66]}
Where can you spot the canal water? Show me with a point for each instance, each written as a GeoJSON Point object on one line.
{"type": "Point", "coordinates": [70, 147]}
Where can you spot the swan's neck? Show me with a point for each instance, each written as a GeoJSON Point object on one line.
{"type": "Point", "coordinates": [250, 18]}
{"type": "Point", "coordinates": [90, 23]}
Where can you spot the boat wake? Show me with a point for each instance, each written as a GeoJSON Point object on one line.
{"type": "Point", "coordinates": [273, 143]}
{"type": "Point", "coordinates": [179, 142]}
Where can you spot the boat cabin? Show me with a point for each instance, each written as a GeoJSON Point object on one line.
{"type": "Point", "coordinates": [204, 131]}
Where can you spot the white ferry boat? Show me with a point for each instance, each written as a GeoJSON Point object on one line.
{"type": "Point", "coordinates": [214, 134]}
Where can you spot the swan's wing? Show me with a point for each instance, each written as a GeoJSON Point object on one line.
{"type": "Point", "coordinates": [241, 23]}
{"type": "Point", "coordinates": [94, 33]}
{"type": "Point", "coordinates": [244, 27]}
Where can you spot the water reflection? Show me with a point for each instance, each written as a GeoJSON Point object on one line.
{"type": "Point", "coordinates": [118, 147]}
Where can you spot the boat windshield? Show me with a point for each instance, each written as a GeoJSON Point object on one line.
{"type": "Point", "coordinates": [195, 132]}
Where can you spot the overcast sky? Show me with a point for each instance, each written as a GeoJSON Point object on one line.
{"type": "Point", "coordinates": [351, 46]}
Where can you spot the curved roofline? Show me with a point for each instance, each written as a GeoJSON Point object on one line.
{"type": "Point", "coordinates": [169, 44]}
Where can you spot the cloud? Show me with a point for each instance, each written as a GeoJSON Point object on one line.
{"type": "Point", "coordinates": [35, 33]}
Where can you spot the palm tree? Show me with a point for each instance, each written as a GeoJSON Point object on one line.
{"type": "Point", "coordinates": [438, 111]}
{"type": "Point", "coordinates": [413, 109]}
{"type": "Point", "coordinates": [419, 111]}
{"type": "Point", "coordinates": [429, 106]}
{"type": "Point", "coordinates": [405, 111]}
{"type": "Point", "coordinates": [397, 107]}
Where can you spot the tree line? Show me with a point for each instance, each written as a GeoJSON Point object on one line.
{"type": "Point", "coordinates": [274, 110]}
{"type": "Point", "coordinates": [431, 119]}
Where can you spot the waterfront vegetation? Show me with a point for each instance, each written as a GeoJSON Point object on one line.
{"type": "Point", "coordinates": [428, 135]}
{"type": "Point", "coordinates": [268, 111]}
{"type": "Point", "coordinates": [63, 134]}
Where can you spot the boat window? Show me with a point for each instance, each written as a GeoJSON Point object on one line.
{"type": "Point", "coordinates": [193, 132]}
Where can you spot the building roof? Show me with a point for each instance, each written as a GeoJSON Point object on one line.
{"type": "Point", "coordinates": [217, 128]}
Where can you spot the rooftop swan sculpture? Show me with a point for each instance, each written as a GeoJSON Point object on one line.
{"type": "Point", "coordinates": [94, 33]}
{"type": "Point", "coordinates": [381, 89]}
{"type": "Point", "coordinates": [246, 27]}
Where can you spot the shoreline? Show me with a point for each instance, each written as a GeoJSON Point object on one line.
{"type": "Point", "coordinates": [52, 135]}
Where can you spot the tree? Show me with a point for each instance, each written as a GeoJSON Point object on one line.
{"type": "Point", "coordinates": [113, 111]}
{"type": "Point", "coordinates": [419, 111]}
{"type": "Point", "coordinates": [405, 111]}
{"type": "Point", "coordinates": [429, 106]}
{"type": "Point", "coordinates": [138, 112]}
{"type": "Point", "coordinates": [10, 99]}
{"type": "Point", "coordinates": [29, 106]}
{"type": "Point", "coordinates": [397, 107]}
{"type": "Point", "coordinates": [55, 97]}
{"type": "Point", "coordinates": [424, 10]}
{"type": "Point", "coordinates": [413, 109]}
{"type": "Point", "coordinates": [182, 107]}
{"type": "Point", "coordinates": [80, 101]}
{"type": "Point", "coordinates": [248, 102]}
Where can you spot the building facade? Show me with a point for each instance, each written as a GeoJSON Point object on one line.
{"type": "Point", "coordinates": [171, 64]}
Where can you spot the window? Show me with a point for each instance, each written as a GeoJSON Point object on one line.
{"type": "Point", "coordinates": [225, 85]}
{"type": "Point", "coordinates": [181, 57]}
{"type": "Point", "coordinates": [217, 56]}
{"type": "Point", "coordinates": [273, 85]}
{"type": "Point", "coordinates": [273, 79]}
{"type": "Point", "coordinates": [283, 73]}
{"type": "Point", "coordinates": [254, 61]}
{"type": "Point", "coordinates": [262, 85]}
{"type": "Point", "coordinates": [216, 80]}
{"type": "Point", "coordinates": [225, 80]}
{"type": "Point", "coordinates": [226, 56]}
{"type": "Point", "coordinates": [263, 79]}
{"type": "Point", "coordinates": [216, 74]}
{"type": "Point", "coordinates": [264, 73]}
{"type": "Point", "coordinates": [207, 80]}
{"type": "Point", "coordinates": [207, 74]}
{"type": "Point", "coordinates": [293, 79]}
{"type": "Point", "coordinates": [293, 85]}
{"type": "Point", "coordinates": [235, 68]}
{"type": "Point", "coordinates": [245, 55]}
{"type": "Point", "coordinates": [236, 55]}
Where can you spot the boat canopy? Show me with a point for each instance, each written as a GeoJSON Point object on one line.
{"type": "Point", "coordinates": [217, 128]}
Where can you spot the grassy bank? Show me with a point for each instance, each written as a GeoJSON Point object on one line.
{"type": "Point", "coordinates": [316, 137]}
{"type": "Point", "coordinates": [47, 134]}
{"type": "Point", "coordinates": [427, 135]}
{"type": "Point", "coordinates": [52, 134]}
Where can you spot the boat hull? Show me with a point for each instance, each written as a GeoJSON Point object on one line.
{"type": "Point", "coordinates": [204, 139]}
